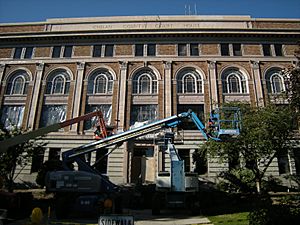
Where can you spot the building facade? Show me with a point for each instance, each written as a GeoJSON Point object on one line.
{"type": "Point", "coordinates": [138, 69]}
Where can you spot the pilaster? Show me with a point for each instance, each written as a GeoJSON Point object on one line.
{"type": "Point", "coordinates": [122, 95]}
{"type": "Point", "coordinates": [36, 95]}
{"type": "Point", "coordinates": [78, 93]}
{"type": "Point", "coordinates": [257, 83]}
{"type": "Point", "coordinates": [213, 85]}
{"type": "Point", "coordinates": [168, 89]}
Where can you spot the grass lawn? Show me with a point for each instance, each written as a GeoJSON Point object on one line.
{"type": "Point", "coordinates": [230, 219]}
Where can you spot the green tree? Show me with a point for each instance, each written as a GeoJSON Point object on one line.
{"type": "Point", "coordinates": [18, 155]}
{"type": "Point", "coordinates": [292, 80]}
{"type": "Point", "coordinates": [265, 134]}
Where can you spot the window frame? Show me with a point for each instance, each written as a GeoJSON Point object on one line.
{"type": "Point", "coordinates": [136, 82]}
{"type": "Point", "coordinates": [92, 82]}
{"type": "Point", "coordinates": [198, 81]}
{"type": "Point", "coordinates": [53, 76]}
{"type": "Point", "coordinates": [12, 81]}
{"type": "Point", "coordinates": [227, 86]}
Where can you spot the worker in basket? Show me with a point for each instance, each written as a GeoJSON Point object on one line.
{"type": "Point", "coordinates": [98, 133]}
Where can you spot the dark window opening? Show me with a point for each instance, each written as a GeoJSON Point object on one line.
{"type": "Point", "coordinates": [283, 164]}
{"type": "Point", "coordinates": [194, 49]}
{"type": "Point", "coordinates": [182, 50]}
{"type": "Point", "coordinates": [18, 52]}
{"type": "Point", "coordinates": [189, 124]}
{"type": "Point", "coordinates": [266, 49]}
{"type": "Point", "coordinates": [68, 51]}
{"type": "Point", "coordinates": [151, 49]}
{"type": "Point", "coordinates": [109, 50]}
{"type": "Point", "coordinates": [224, 49]}
{"type": "Point", "coordinates": [139, 50]}
{"type": "Point", "coordinates": [184, 154]}
{"type": "Point", "coordinates": [278, 49]}
{"type": "Point", "coordinates": [237, 51]}
{"type": "Point", "coordinates": [54, 154]}
{"type": "Point", "coordinates": [97, 51]}
{"type": "Point", "coordinates": [28, 53]}
{"type": "Point", "coordinates": [101, 161]}
{"type": "Point", "coordinates": [297, 160]}
{"type": "Point", "coordinates": [37, 162]}
{"type": "Point", "coordinates": [56, 51]}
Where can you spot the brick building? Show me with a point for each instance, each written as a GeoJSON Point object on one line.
{"type": "Point", "coordinates": [137, 69]}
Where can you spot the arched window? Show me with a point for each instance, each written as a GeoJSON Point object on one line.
{"type": "Point", "coordinates": [18, 83]}
{"type": "Point", "coordinates": [275, 81]}
{"type": "Point", "coordinates": [58, 82]}
{"type": "Point", "coordinates": [144, 82]}
{"type": "Point", "coordinates": [189, 81]}
{"type": "Point", "coordinates": [100, 82]}
{"type": "Point", "coordinates": [234, 82]}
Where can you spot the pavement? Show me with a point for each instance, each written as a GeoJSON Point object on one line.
{"type": "Point", "coordinates": [141, 217]}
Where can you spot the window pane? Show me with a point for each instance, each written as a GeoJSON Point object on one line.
{"type": "Point", "coordinates": [109, 49]}
{"type": "Point", "coordinates": [278, 49]}
{"type": "Point", "coordinates": [182, 50]}
{"type": "Point", "coordinates": [100, 84]}
{"type": "Point", "coordinates": [52, 114]}
{"type": "Point", "coordinates": [145, 84]}
{"type": "Point", "coordinates": [106, 111]}
{"type": "Point", "coordinates": [12, 116]}
{"type": "Point", "coordinates": [233, 83]}
{"type": "Point", "coordinates": [56, 52]}
{"type": "Point", "coordinates": [143, 113]}
{"type": "Point", "coordinates": [68, 51]}
{"type": "Point", "coordinates": [139, 50]}
{"type": "Point", "coordinates": [151, 49]}
{"type": "Point", "coordinates": [18, 52]}
{"type": "Point", "coordinates": [97, 51]}
{"type": "Point", "coordinates": [194, 49]}
{"type": "Point", "coordinates": [277, 84]}
{"type": "Point", "coordinates": [237, 49]}
{"type": "Point", "coordinates": [58, 85]}
{"type": "Point", "coordinates": [225, 49]}
{"type": "Point", "coordinates": [266, 49]}
{"type": "Point", "coordinates": [189, 84]}
{"type": "Point", "coordinates": [18, 86]}
{"type": "Point", "coordinates": [28, 53]}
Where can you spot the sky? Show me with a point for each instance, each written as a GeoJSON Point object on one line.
{"type": "Point", "coordinates": [13, 11]}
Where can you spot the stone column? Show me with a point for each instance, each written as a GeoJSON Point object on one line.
{"type": "Point", "coordinates": [257, 84]}
{"type": "Point", "coordinates": [122, 95]}
{"type": "Point", "coordinates": [2, 67]}
{"type": "Point", "coordinates": [36, 94]}
{"type": "Point", "coordinates": [168, 89]}
{"type": "Point", "coordinates": [78, 94]}
{"type": "Point", "coordinates": [213, 85]}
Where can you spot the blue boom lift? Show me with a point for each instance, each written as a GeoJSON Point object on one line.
{"type": "Point", "coordinates": [88, 190]}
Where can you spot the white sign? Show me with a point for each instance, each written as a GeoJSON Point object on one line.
{"type": "Point", "coordinates": [115, 220]}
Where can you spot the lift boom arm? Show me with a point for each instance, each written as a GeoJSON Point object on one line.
{"type": "Point", "coordinates": [5, 144]}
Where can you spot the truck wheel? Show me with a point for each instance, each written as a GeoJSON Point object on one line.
{"type": "Point", "coordinates": [156, 204]}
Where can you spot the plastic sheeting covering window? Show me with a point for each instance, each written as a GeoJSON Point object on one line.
{"type": "Point", "coordinates": [106, 111]}
{"type": "Point", "coordinates": [142, 113]}
{"type": "Point", "coordinates": [53, 114]}
{"type": "Point", "coordinates": [12, 116]}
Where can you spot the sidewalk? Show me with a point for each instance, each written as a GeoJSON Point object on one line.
{"type": "Point", "coordinates": [141, 217]}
